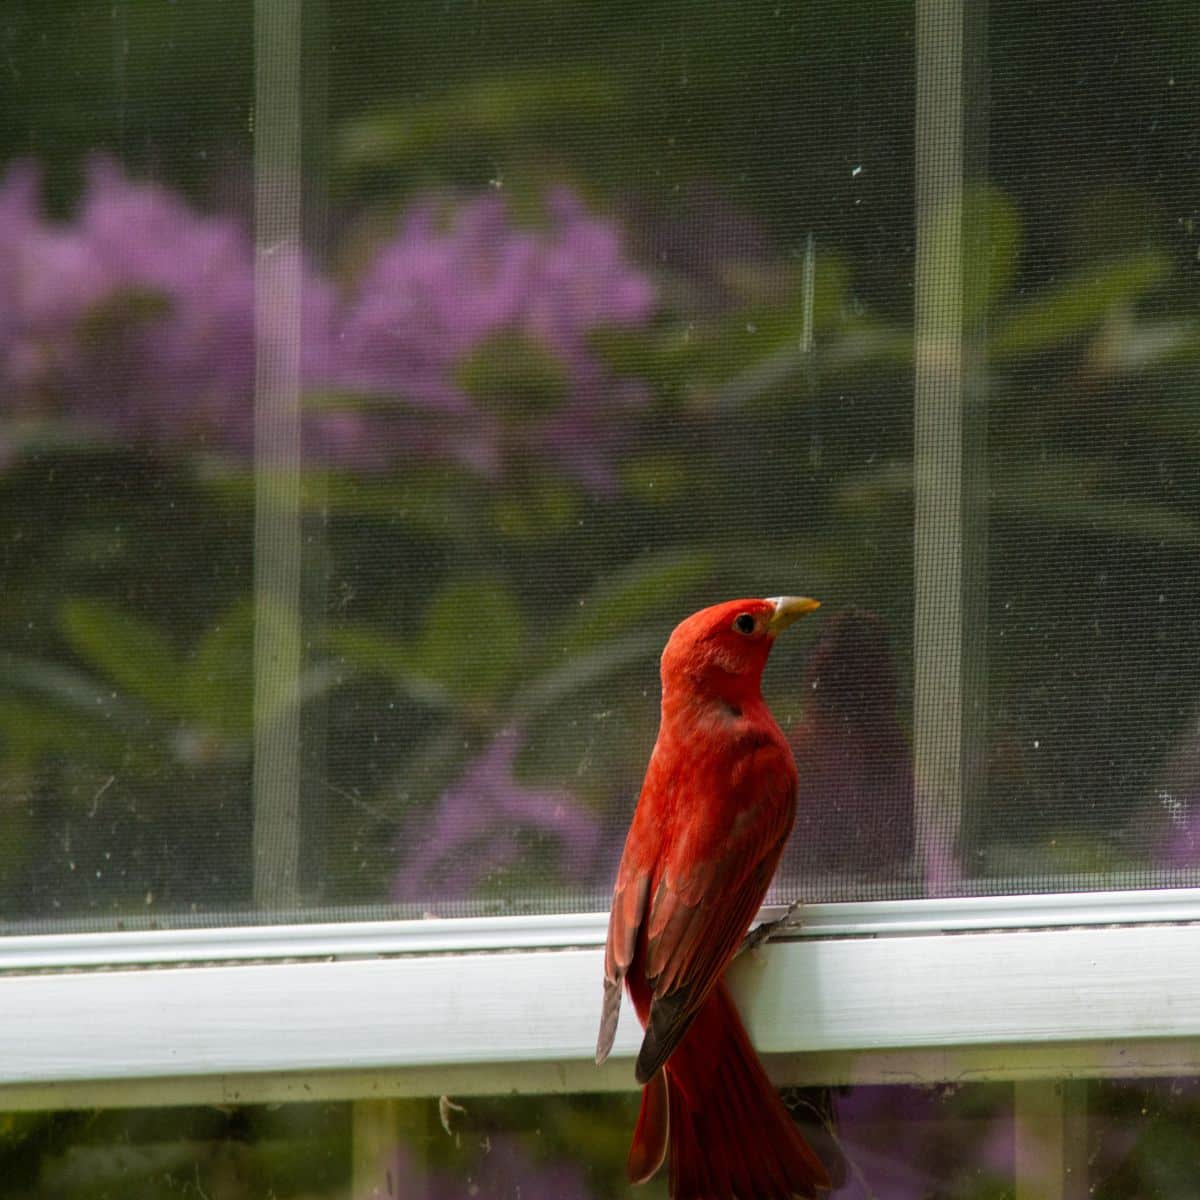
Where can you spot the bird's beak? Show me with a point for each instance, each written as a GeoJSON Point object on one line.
{"type": "Point", "coordinates": [787, 610]}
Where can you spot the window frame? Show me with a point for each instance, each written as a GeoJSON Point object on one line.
{"type": "Point", "coordinates": [1003, 988]}
{"type": "Point", "coordinates": [1036, 988]}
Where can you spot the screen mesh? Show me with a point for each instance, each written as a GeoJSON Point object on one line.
{"type": "Point", "coordinates": [379, 385]}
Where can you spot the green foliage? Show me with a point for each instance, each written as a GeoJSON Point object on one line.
{"type": "Point", "coordinates": [534, 510]}
{"type": "Point", "coordinates": [130, 652]}
{"type": "Point", "coordinates": [216, 683]}
{"type": "Point", "coordinates": [1078, 305]}
{"type": "Point", "coordinates": [753, 350]}
{"type": "Point", "coordinates": [1063, 499]}
{"type": "Point", "coordinates": [516, 376]}
{"type": "Point", "coordinates": [212, 685]}
{"type": "Point", "coordinates": [632, 594]}
{"type": "Point", "coordinates": [512, 105]}
{"type": "Point", "coordinates": [992, 238]}
{"type": "Point", "coordinates": [473, 634]}
{"type": "Point", "coordinates": [374, 652]}
{"type": "Point", "coordinates": [466, 652]}
{"type": "Point", "coordinates": [773, 449]}
{"type": "Point", "coordinates": [34, 730]}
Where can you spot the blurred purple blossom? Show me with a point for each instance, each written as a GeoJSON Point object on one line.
{"type": "Point", "coordinates": [136, 320]}
{"type": "Point", "coordinates": [446, 287]}
{"type": "Point", "coordinates": [1177, 796]}
{"type": "Point", "coordinates": [481, 825]}
{"type": "Point", "coordinates": [1181, 847]}
{"type": "Point", "coordinates": [45, 284]}
{"type": "Point", "coordinates": [914, 1143]}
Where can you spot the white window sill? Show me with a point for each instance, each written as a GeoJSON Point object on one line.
{"type": "Point", "coordinates": [869, 992]}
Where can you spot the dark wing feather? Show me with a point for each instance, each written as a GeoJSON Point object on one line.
{"type": "Point", "coordinates": [709, 892]}
{"type": "Point", "coordinates": [624, 922]}
{"type": "Point", "coordinates": [718, 931]}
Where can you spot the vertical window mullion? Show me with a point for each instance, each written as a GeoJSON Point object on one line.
{"type": "Point", "coordinates": [1050, 1139]}
{"type": "Point", "coordinates": [277, 452]}
{"type": "Point", "coordinates": [949, 446]}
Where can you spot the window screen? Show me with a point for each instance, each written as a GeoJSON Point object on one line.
{"type": "Point", "coordinates": [379, 384]}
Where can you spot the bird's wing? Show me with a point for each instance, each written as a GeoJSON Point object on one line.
{"type": "Point", "coordinates": [624, 922]}
{"type": "Point", "coordinates": [709, 891]}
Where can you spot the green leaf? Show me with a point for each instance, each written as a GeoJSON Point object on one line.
{"type": "Point", "coordinates": [1115, 518]}
{"type": "Point", "coordinates": [1078, 305]}
{"type": "Point", "coordinates": [535, 509]}
{"type": "Point", "coordinates": [59, 685]}
{"type": "Point", "coordinates": [332, 400]}
{"type": "Point", "coordinates": [657, 478]}
{"type": "Point", "coordinates": [472, 638]}
{"type": "Point", "coordinates": [761, 349]}
{"type": "Point", "coordinates": [218, 682]}
{"type": "Point", "coordinates": [986, 230]}
{"type": "Point", "coordinates": [376, 653]}
{"type": "Point", "coordinates": [648, 586]}
{"type": "Point", "coordinates": [130, 652]}
{"type": "Point", "coordinates": [31, 730]}
{"type": "Point", "coordinates": [1064, 496]}
{"type": "Point", "coordinates": [484, 109]}
{"type": "Point", "coordinates": [991, 248]}
{"type": "Point", "coordinates": [516, 376]}
{"type": "Point", "coordinates": [584, 669]}
{"type": "Point", "coordinates": [467, 650]}
{"type": "Point", "coordinates": [757, 349]}
{"type": "Point", "coordinates": [122, 310]}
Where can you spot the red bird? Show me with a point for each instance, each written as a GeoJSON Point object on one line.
{"type": "Point", "coordinates": [715, 810]}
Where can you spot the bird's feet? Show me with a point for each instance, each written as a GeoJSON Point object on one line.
{"type": "Point", "coordinates": [761, 934]}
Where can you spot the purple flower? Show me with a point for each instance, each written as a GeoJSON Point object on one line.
{"type": "Point", "coordinates": [1181, 848]}
{"type": "Point", "coordinates": [1177, 796]}
{"type": "Point", "coordinates": [171, 354]}
{"type": "Point", "coordinates": [910, 1143]}
{"type": "Point", "coordinates": [137, 320]}
{"type": "Point", "coordinates": [445, 293]}
{"type": "Point", "coordinates": [483, 824]}
{"type": "Point", "coordinates": [46, 282]}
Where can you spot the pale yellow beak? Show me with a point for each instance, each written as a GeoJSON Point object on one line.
{"type": "Point", "coordinates": [787, 610]}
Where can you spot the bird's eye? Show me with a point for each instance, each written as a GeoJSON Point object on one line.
{"type": "Point", "coordinates": [744, 623]}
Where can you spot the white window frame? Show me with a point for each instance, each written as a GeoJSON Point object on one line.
{"type": "Point", "coordinates": [1007, 988]}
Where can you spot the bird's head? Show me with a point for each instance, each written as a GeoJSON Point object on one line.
{"type": "Point", "coordinates": [721, 651]}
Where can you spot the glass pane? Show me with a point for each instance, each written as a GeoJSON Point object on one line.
{"type": "Point", "coordinates": [1088, 320]}
{"type": "Point", "coordinates": [1141, 1138]}
{"type": "Point", "coordinates": [287, 1152]}
{"type": "Point", "coordinates": [1109, 1139]}
{"type": "Point", "coordinates": [379, 384]}
{"type": "Point", "coordinates": [895, 1142]}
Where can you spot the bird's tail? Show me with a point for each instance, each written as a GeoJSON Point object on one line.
{"type": "Point", "coordinates": [728, 1132]}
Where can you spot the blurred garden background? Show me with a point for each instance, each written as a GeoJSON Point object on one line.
{"type": "Point", "coordinates": [605, 312]}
